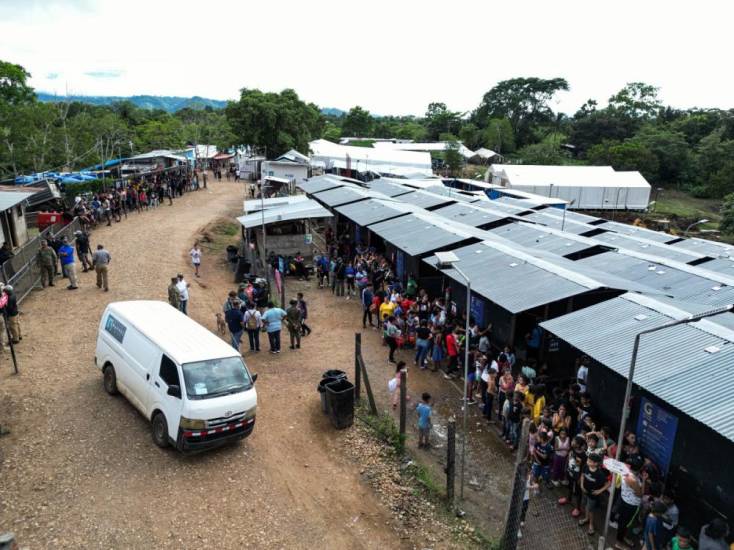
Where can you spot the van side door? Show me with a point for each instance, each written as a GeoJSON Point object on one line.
{"type": "Point", "coordinates": [167, 375]}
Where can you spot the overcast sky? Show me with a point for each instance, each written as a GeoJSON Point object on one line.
{"type": "Point", "coordinates": [392, 57]}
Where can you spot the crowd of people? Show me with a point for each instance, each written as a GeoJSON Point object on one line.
{"type": "Point", "coordinates": [567, 441]}
{"type": "Point", "coordinates": [249, 310]}
{"type": "Point", "coordinates": [134, 195]}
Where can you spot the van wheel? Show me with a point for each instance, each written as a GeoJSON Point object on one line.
{"type": "Point", "coordinates": [160, 430]}
{"type": "Point", "coordinates": [109, 379]}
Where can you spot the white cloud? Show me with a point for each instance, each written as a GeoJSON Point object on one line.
{"type": "Point", "coordinates": [391, 57]}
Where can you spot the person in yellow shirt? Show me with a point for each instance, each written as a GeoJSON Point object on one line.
{"type": "Point", "coordinates": [386, 309]}
{"type": "Point", "coordinates": [539, 403]}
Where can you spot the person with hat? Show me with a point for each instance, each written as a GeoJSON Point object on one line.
{"type": "Point", "coordinates": [101, 261]}
{"type": "Point", "coordinates": [66, 253]}
{"type": "Point", "coordinates": [46, 258]}
{"type": "Point", "coordinates": [82, 250]}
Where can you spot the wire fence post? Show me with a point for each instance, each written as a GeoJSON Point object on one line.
{"type": "Point", "coordinates": [403, 401]}
{"type": "Point", "coordinates": [514, 508]}
{"type": "Point", "coordinates": [367, 387]}
{"type": "Point", "coordinates": [450, 462]}
{"type": "Point", "coordinates": [357, 370]}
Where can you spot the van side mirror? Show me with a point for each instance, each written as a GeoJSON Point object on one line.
{"type": "Point", "coordinates": [254, 378]}
{"type": "Point", "coordinates": [174, 391]}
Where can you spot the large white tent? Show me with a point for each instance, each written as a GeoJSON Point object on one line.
{"type": "Point", "coordinates": [584, 187]}
{"type": "Point", "coordinates": [367, 159]}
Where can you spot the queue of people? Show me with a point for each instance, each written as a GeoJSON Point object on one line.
{"type": "Point", "coordinates": [567, 442]}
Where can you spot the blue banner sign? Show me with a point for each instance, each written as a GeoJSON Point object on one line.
{"type": "Point", "coordinates": [656, 429]}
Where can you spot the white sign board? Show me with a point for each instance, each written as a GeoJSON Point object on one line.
{"type": "Point", "coordinates": [616, 466]}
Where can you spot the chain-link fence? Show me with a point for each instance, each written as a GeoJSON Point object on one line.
{"type": "Point", "coordinates": [22, 271]}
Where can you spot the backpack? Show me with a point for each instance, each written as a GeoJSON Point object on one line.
{"type": "Point", "coordinates": [252, 322]}
{"type": "Point", "coordinates": [392, 385]}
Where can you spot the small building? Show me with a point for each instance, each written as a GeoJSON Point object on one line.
{"type": "Point", "coordinates": [432, 147]}
{"type": "Point", "coordinates": [292, 166]}
{"type": "Point", "coordinates": [13, 202]}
{"type": "Point", "coordinates": [161, 160]}
{"type": "Point", "coordinates": [221, 161]}
{"type": "Point", "coordinates": [583, 187]}
{"type": "Point", "coordinates": [289, 227]}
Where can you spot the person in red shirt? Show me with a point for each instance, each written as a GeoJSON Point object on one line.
{"type": "Point", "coordinates": [452, 349]}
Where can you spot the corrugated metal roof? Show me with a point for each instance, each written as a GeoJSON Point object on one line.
{"type": "Point", "coordinates": [531, 236]}
{"type": "Point", "coordinates": [619, 240]}
{"type": "Point", "coordinates": [388, 188]}
{"type": "Point", "coordinates": [417, 234]}
{"type": "Point", "coordinates": [706, 247]}
{"type": "Point", "coordinates": [664, 279]}
{"type": "Point", "coordinates": [453, 194]}
{"type": "Point", "coordinates": [469, 214]}
{"type": "Point", "coordinates": [8, 199]}
{"type": "Point", "coordinates": [504, 280]}
{"type": "Point", "coordinates": [288, 212]}
{"type": "Point", "coordinates": [342, 195]}
{"type": "Point", "coordinates": [319, 183]}
{"type": "Point", "coordinates": [671, 362]}
{"type": "Point", "coordinates": [720, 265]}
{"type": "Point", "coordinates": [424, 199]}
{"type": "Point", "coordinates": [634, 231]}
{"type": "Point", "coordinates": [551, 219]}
{"type": "Point", "coordinates": [371, 211]}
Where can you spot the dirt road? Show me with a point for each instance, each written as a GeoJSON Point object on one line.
{"type": "Point", "coordinates": [79, 468]}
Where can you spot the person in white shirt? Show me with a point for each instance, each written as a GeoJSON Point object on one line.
{"type": "Point", "coordinates": [183, 291]}
{"type": "Point", "coordinates": [582, 375]}
{"type": "Point", "coordinates": [195, 254]}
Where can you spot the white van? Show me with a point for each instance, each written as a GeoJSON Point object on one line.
{"type": "Point", "coordinates": [193, 387]}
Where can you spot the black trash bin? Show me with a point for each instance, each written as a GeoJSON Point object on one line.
{"type": "Point", "coordinates": [333, 373]}
{"type": "Point", "coordinates": [340, 403]}
{"type": "Point", "coordinates": [322, 390]}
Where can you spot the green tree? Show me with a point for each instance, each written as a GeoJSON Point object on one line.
{"type": "Point", "coordinates": [727, 214]}
{"type": "Point", "coordinates": [278, 122]}
{"type": "Point", "coordinates": [636, 100]}
{"type": "Point", "coordinates": [439, 120]}
{"type": "Point", "coordinates": [525, 102]}
{"type": "Point", "coordinates": [358, 122]}
{"type": "Point", "coordinates": [542, 154]}
{"type": "Point", "coordinates": [591, 127]}
{"type": "Point", "coordinates": [627, 155]}
{"type": "Point", "coordinates": [471, 136]}
{"type": "Point", "coordinates": [13, 87]}
{"type": "Point", "coordinates": [671, 150]}
{"type": "Point", "coordinates": [453, 159]}
{"type": "Point", "coordinates": [499, 136]}
{"type": "Point", "coordinates": [331, 132]}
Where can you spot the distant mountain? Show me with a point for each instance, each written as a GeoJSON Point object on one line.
{"type": "Point", "coordinates": [332, 111]}
{"type": "Point", "coordinates": [166, 103]}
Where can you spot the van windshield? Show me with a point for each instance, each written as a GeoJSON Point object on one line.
{"type": "Point", "coordinates": [216, 377]}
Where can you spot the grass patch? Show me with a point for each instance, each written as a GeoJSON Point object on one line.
{"type": "Point", "coordinates": [678, 204]}
{"type": "Point", "coordinates": [385, 427]}
{"type": "Point", "coordinates": [227, 228]}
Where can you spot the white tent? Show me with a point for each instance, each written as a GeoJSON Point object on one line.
{"type": "Point", "coordinates": [367, 159]}
{"type": "Point", "coordinates": [438, 146]}
{"type": "Point", "coordinates": [588, 187]}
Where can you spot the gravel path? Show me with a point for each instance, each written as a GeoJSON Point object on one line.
{"type": "Point", "coordinates": [79, 468]}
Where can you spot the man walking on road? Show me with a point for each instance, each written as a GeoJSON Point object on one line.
{"type": "Point", "coordinates": [273, 318]}
{"type": "Point", "coordinates": [174, 296]}
{"type": "Point", "coordinates": [293, 320]}
{"type": "Point", "coordinates": [234, 319]}
{"type": "Point", "coordinates": [100, 260]}
{"type": "Point", "coordinates": [66, 253]}
{"type": "Point", "coordinates": [47, 262]}
{"type": "Point", "coordinates": [82, 249]}
{"type": "Point", "coordinates": [183, 292]}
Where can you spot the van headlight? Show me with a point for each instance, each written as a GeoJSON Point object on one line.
{"type": "Point", "coordinates": [192, 424]}
{"type": "Point", "coordinates": [251, 413]}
